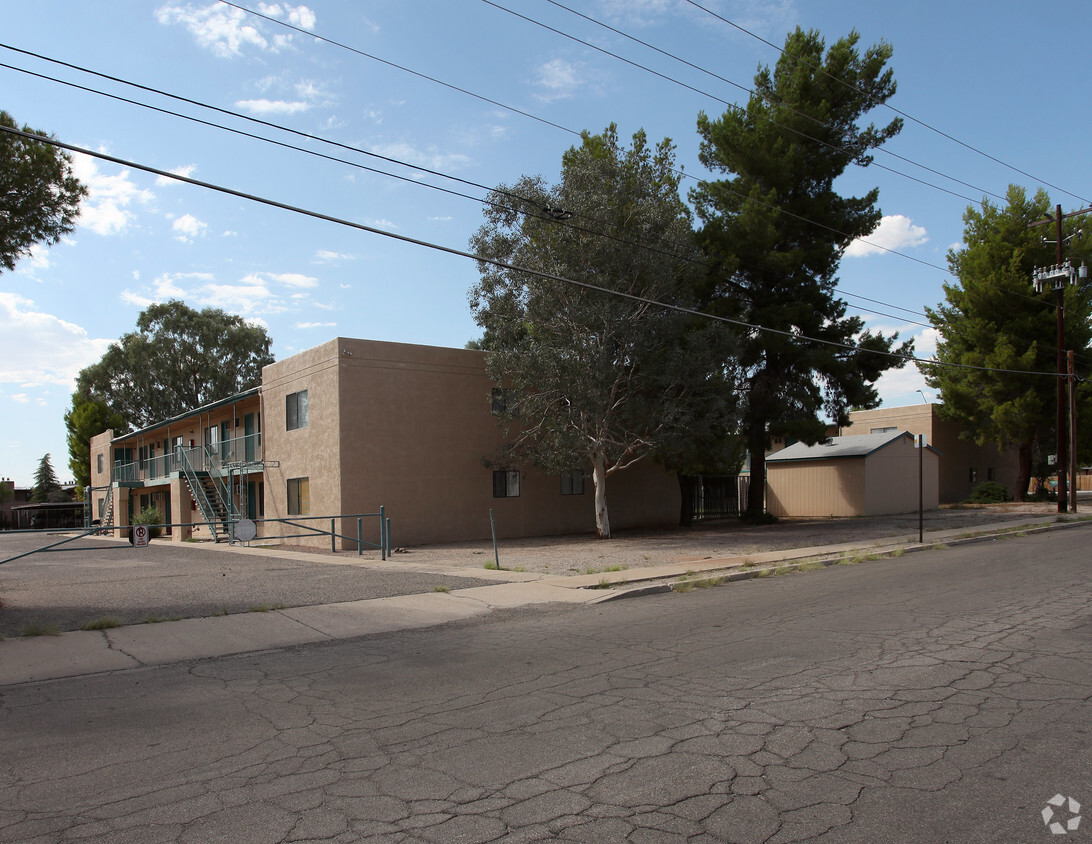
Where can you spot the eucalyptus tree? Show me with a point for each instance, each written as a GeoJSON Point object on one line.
{"type": "Point", "coordinates": [574, 279]}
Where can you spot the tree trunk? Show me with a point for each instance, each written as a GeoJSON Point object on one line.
{"type": "Point", "coordinates": [599, 477]}
{"type": "Point", "coordinates": [1023, 474]}
{"type": "Point", "coordinates": [756, 491]}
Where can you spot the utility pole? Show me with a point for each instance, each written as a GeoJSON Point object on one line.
{"type": "Point", "coordinates": [1061, 274]}
{"type": "Point", "coordinates": [1071, 383]}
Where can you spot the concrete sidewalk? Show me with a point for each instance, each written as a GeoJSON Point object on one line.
{"type": "Point", "coordinates": [34, 659]}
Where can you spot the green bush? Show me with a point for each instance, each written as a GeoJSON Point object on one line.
{"type": "Point", "coordinates": [762, 518]}
{"type": "Point", "coordinates": [989, 492]}
{"type": "Point", "coordinates": [151, 516]}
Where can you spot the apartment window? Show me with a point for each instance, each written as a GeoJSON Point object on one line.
{"type": "Point", "coordinates": [989, 474]}
{"type": "Point", "coordinates": [886, 430]}
{"type": "Point", "coordinates": [572, 483]}
{"type": "Point", "coordinates": [295, 410]}
{"type": "Point", "coordinates": [972, 475]}
{"type": "Point", "coordinates": [506, 484]}
{"type": "Point", "coordinates": [98, 463]}
{"type": "Point", "coordinates": [299, 496]}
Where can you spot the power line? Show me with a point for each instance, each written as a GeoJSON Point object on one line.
{"type": "Point", "coordinates": [753, 93]}
{"type": "Point", "coordinates": [310, 34]}
{"type": "Point", "coordinates": [909, 117]}
{"type": "Point", "coordinates": [309, 136]}
{"type": "Point", "coordinates": [494, 262]}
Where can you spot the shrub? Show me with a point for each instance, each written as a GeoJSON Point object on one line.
{"type": "Point", "coordinates": [989, 492]}
{"type": "Point", "coordinates": [762, 518]}
{"type": "Point", "coordinates": [151, 516]}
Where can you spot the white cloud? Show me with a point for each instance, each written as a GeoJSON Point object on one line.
{"type": "Point", "coordinates": [894, 232]}
{"type": "Point", "coordinates": [325, 256]}
{"type": "Point", "coordinates": [382, 223]}
{"type": "Point", "coordinates": [187, 228]}
{"type": "Point", "coordinates": [268, 107]}
{"type": "Point", "coordinates": [315, 324]}
{"type": "Point", "coordinates": [901, 386]}
{"type": "Point", "coordinates": [186, 170]}
{"type": "Point", "coordinates": [293, 279]}
{"type": "Point", "coordinates": [41, 348]}
{"type": "Point", "coordinates": [227, 31]}
{"type": "Point", "coordinates": [431, 157]}
{"type": "Point", "coordinates": [106, 210]}
{"type": "Point", "coordinates": [22, 398]}
{"type": "Point", "coordinates": [557, 80]}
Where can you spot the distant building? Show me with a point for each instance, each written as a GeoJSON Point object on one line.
{"type": "Point", "coordinates": [963, 464]}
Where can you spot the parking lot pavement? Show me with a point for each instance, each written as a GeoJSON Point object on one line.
{"type": "Point", "coordinates": [94, 578]}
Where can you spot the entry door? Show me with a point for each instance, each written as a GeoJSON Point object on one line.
{"type": "Point", "coordinates": [248, 432]}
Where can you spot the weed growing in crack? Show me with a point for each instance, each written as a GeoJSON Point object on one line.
{"type": "Point", "coordinates": [37, 628]}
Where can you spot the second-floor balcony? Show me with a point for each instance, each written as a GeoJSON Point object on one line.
{"type": "Point", "coordinates": [221, 457]}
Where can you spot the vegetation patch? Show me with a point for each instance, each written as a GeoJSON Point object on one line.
{"type": "Point", "coordinates": [441, 588]}
{"type": "Point", "coordinates": [37, 628]}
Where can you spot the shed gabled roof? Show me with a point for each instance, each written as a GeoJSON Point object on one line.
{"type": "Point", "coordinates": [860, 445]}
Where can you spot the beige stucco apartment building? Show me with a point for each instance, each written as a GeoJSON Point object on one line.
{"type": "Point", "coordinates": [352, 425]}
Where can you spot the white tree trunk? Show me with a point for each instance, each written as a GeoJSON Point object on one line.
{"type": "Point", "coordinates": [599, 478]}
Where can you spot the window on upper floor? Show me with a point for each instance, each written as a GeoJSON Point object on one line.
{"type": "Point", "coordinates": [295, 410]}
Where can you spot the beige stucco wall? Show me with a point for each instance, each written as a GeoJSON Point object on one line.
{"type": "Point", "coordinates": [882, 483]}
{"type": "Point", "coordinates": [958, 456]}
{"type": "Point", "coordinates": [816, 488]}
{"type": "Point", "coordinates": [891, 479]}
{"type": "Point", "coordinates": [410, 428]}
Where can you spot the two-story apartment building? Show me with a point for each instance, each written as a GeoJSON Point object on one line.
{"type": "Point", "coordinates": [348, 426]}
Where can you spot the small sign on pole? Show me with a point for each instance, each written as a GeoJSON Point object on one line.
{"type": "Point", "coordinates": [140, 536]}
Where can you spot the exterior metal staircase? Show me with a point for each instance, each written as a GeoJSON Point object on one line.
{"type": "Point", "coordinates": [212, 496]}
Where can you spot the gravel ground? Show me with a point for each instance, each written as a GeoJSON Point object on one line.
{"type": "Point", "coordinates": [93, 578]}
{"type": "Point", "coordinates": [584, 554]}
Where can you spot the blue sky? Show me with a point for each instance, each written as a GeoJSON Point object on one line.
{"type": "Point", "coordinates": [999, 78]}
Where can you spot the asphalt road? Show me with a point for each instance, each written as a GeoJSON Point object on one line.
{"type": "Point", "coordinates": [941, 696]}
{"type": "Point", "coordinates": [89, 579]}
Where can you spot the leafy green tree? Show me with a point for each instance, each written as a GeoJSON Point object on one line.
{"type": "Point", "coordinates": [774, 232]}
{"type": "Point", "coordinates": [46, 486]}
{"type": "Point", "coordinates": [85, 419]}
{"type": "Point", "coordinates": [39, 196]}
{"type": "Point", "coordinates": [595, 380]}
{"type": "Point", "coordinates": [992, 319]}
{"type": "Point", "coordinates": [177, 360]}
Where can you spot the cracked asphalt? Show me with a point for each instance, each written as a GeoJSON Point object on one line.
{"type": "Point", "coordinates": [942, 696]}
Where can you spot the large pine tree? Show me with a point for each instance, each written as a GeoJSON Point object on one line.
{"type": "Point", "coordinates": [775, 229]}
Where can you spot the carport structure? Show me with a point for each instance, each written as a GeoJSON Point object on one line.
{"type": "Point", "coordinates": [865, 475]}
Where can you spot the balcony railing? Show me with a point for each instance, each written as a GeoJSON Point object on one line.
{"type": "Point", "coordinates": [215, 457]}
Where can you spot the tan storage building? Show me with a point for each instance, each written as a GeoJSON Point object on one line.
{"type": "Point", "coordinates": [867, 475]}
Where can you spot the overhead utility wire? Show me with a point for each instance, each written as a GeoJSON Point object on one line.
{"type": "Point", "coordinates": [720, 100]}
{"type": "Point", "coordinates": [309, 136]}
{"type": "Point", "coordinates": [273, 203]}
{"type": "Point", "coordinates": [571, 131]}
{"type": "Point", "coordinates": [909, 117]}
{"type": "Point", "coordinates": [397, 66]}
{"type": "Point", "coordinates": [770, 100]}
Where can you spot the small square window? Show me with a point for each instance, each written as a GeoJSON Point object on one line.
{"type": "Point", "coordinates": [295, 410]}
{"type": "Point", "coordinates": [299, 496]}
{"type": "Point", "coordinates": [972, 475]}
{"type": "Point", "coordinates": [506, 483]}
{"type": "Point", "coordinates": [572, 483]}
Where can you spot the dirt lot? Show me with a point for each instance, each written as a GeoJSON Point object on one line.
{"type": "Point", "coordinates": [565, 555]}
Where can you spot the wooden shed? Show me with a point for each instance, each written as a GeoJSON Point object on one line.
{"type": "Point", "coordinates": [865, 475]}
